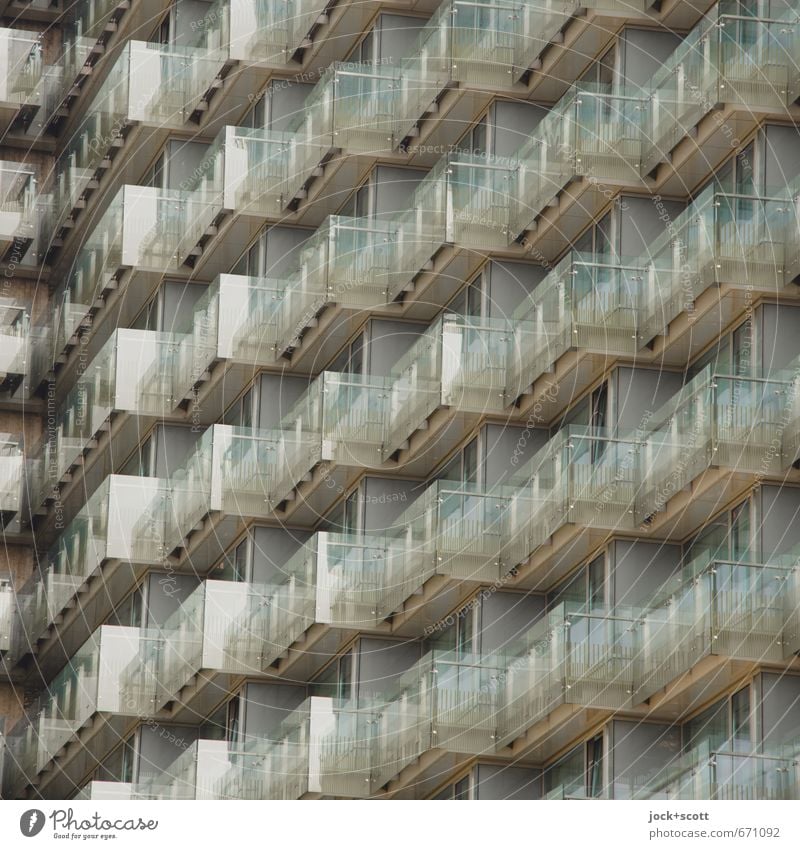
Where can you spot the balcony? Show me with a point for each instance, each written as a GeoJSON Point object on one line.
{"type": "Point", "coordinates": [595, 132]}
{"type": "Point", "coordinates": [11, 469]}
{"type": "Point", "coordinates": [464, 201]}
{"type": "Point", "coordinates": [724, 239]}
{"type": "Point", "coordinates": [490, 43]}
{"type": "Point", "coordinates": [447, 701]}
{"type": "Point", "coordinates": [167, 657]}
{"type": "Point", "coordinates": [114, 524]}
{"type": "Point", "coordinates": [587, 302]}
{"type": "Point", "coordinates": [18, 209]}
{"type": "Point", "coordinates": [484, 45]}
{"type": "Point", "coordinates": [719, 772]}
{"type": "Point", "coordinates": [725, 59]}
{"type": "Point", "coordinates": [737, 611]}
{"type": "Point", "coordinates": [346, 262]}
{"type": "Point", "coordinates": [459, 363]}
{"type": "Point", "coordinates": [144, 231]}
{"type": "Point", "coordinates": [247, 170]}
{"type": "Point", "coordinates": [21, 80]}
{"type": "Point", "coordinates": [739, 424]}
{"type": "Point", "coordinates": [88, 29]}
{"type": "Point", "coordinates": [150, 86]}
{"type": "Point", "coordinates": [289, 766]}
{"type": "Point", "coordinates": [572, 656]}
{"type": "Point", "coordinates": [255, 31]}
{"type": "Point", "coordinates": [241, 472]}
{"type": "Point", "coordinates": [140, 372]}
{"type": "Point", "coordinates": [352, 108]}
{"type": "Point", "coordinates": [14, 344]}
{"type": "Point", "coordinates": [452, 529]}
{"type": "Point", "coordinates": [283, 766]}
{"type": "Point", "coordinates": [91, 682]}
{"type": "Point", "coordinates": [582, 477]}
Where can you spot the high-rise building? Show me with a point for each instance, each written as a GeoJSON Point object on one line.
{"type": "Point", "coordinates": [400, 399]}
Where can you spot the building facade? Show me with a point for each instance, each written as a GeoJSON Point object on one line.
{"type": "Point", "coordinates": [401, 399]}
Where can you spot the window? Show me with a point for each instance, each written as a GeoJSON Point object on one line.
{"type": "Point", "coordinates": [462, 636]}
{"type": "Point", "coordinates": [465, 466]}
{"type": "Point", "coordinates": [476, 140]}
{"type": "Point", "coordinates": [602, 71]}
{"type": "Point", "coordinates": [458, 790]}
{"type": "Point", "coordinates": [140, 463]}
{"type": "Point", "coordinates": [129, 612]}
{"type": "Point", "coordinates": [118, 766]}
{"type": "Point", "coordinates": [733, 355]}
{"type": "Point", "coordinates": [579, 774]}
{"type": "Point", "coordinates": [365, 51]}
{"type": "Point", "coordinates": [725, 726]}
{"type": "Point", "coordinates": [352, 359]}
{"type": "Point", "coordinates": [471, 301]}
{"type": "Point", "coordinates": [242, 413]}
{"type": "Point", "coordinates": [586, 590]}
{"type": "Point", "coordinates": [337, 680]}
{"type": "Point", "coordinates": [727, 537]}
{"type": "Point", "coordinates": [236, 566]}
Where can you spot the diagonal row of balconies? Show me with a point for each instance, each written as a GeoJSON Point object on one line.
{"type": "Point", "coordinates": [466, 705]}
{"type": "Point", "coordinates": [579, 481]}
{"type": "Point", "coordinates": [355, 107]}
{"type": "Point", "coordinates": [734, 246]}
{"type": "Point", "coordinates": [593, 139]}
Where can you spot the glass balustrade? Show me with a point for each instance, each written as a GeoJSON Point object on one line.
{"type": "Point", "coordinates": [112, 524]}
{"type": "Point", "coordinates": [247, 171]}
{"type": "Point", "coordinates": [454, 529]}
{"type": "Point", "coordinates": [721, 238]}
{"type": "Point", "coordinates": [91, 682]}
{"type": "Point", "coordinates": [18, 203]}
{"type": "Point", "coordinates": [716, 419]}
{"type": "Point", "coordinates": [83, 26]}
{"type": "Point", "coordinates": [346, 261]}
{"type": "Point", "coordinates": [464, 200]}
{"type": "Point", "coordinates": [708, 771]}
{"type": "Point", "coordinates": [149, 84]}
{"type": "Point", "coordinates": [586, 301]}
{"type": "Point", "coordinates": [726, 58]}
{"type": "Point", "coordinates": [352, 108]}
{"type": "Point", "coordinates": [236, 320]}
{"type": "Point", "coordinates": [145, 229]}
{"type": "Point", "coordinates": [594, 131]}
{"type": "Point", "coordinates": [8, 606]}
{"type": "Point", "coordinates": [344, 417]}
{"type": "Point", "coordinates": [459, 362]}
{"type": "Point", "coordinates": [484, 43]}
{"type": "Point", "coordinates": [167, 657]}
{"type": "Point", "coordinates": [240, 471]}
{"type": "Point", "coordinates": [253, 31]}
{"type": "Point", "coordinates": [286, 766]}
{"type": "Point", "coordinates": [715, 607]}
{"type": "Point", "coordinates": [573, 655]}
{"type": "Point", "coordinates": [12, 465]}
{"type": "Point", "coordinates": [15, 340]}
{"type": "Point", "coordinates": [136, 371]}
{"type": "Point", "coordinates": [21, 60]}
{"type": "Point", "coordinates": [448, 700]}
{"type": "Point", "coordinates": [582, 476]}
{"type": "Point", "coordinates": [246, 627]}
